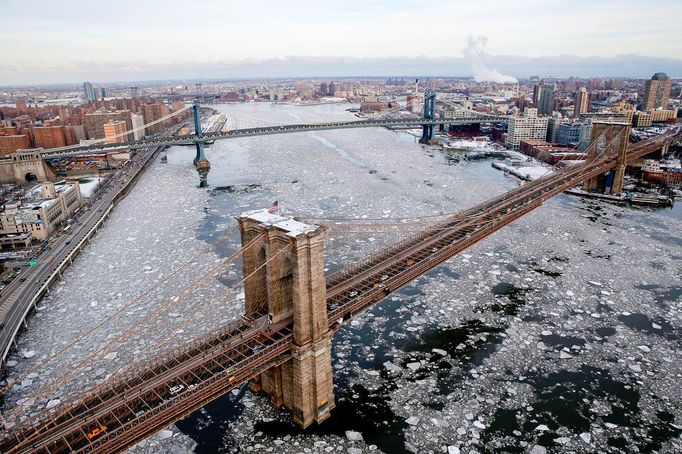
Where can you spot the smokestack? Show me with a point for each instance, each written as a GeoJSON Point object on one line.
{"type": "Point", "coordinates": [416, 86]}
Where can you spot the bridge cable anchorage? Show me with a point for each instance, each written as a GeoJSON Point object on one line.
{"type": "Point", "coordinates": [74, 402]}
{"type": "Point", "coordinates": [118, 311]}
{"type": "Point", "coordinates": [107, 348]}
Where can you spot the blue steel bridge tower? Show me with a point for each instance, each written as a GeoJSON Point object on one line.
{"type": "Point", "coordinates": [200, 161]}
{"type": "Point", "coordinates": [429, 114]}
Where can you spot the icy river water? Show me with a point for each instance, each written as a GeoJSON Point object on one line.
{"type": "Point", "coordinates": [560, 333]}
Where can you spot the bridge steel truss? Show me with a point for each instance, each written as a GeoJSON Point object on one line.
{"type": "Point", "coordinates": [141, 402]}
{"type": "Point", "coordinates": [87, 150]}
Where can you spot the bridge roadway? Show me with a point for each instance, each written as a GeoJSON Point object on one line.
{"type": "Point", "coordinates": [140, 402]}
{"type": "Point", "coordinates": [102, 148]}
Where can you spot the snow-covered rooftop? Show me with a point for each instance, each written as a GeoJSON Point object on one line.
{"type": "Point", "coordinates": [292, 227]}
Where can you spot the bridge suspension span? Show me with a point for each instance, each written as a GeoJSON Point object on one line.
{"type": "Point", "coordinates": [292, 310]}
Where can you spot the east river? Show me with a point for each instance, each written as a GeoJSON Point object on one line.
{"type": "Point", "coordinates": [562, 332]}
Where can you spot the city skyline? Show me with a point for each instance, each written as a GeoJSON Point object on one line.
{"type": "Point", "coordinates": [168, 41]}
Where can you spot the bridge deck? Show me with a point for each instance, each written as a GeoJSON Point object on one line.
{"type": "Point", "coordinates": [140, 401]}
{"type": "Point", "coordinates": [79, 150]}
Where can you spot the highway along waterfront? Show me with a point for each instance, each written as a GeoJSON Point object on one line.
{"type": "Point", "coordinates": [563, 326]}
{"type": "Point", "coordinates": [24, 292]}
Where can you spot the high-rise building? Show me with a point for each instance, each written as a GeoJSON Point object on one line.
{"type": "Point", "coordinates": [89, 92]}
{"type": "Point", "coordinates": [537, 92]}
{"type": "Point", "coordinates": [138, 122]}
{"type": "Point", "coordinates": [545, 104]}
{"type": "Point", "coordinates": [94, 122]}
{"type": "Point", "coordinates": [575, 133]}
{"type": "Point", "coordinates": [656, 92]}
{"type": "Point", "coordinates": [152, 112]}
{"type": "Point", "coordinates": [11, 143]}
{"type": "Point", "coordinates": [528, 126]}
{"type": "Point", "coordinates": [49, 137]}
{"type": "Point", "coordinates": [581, 102]}
{"type": "Point", "coordinates": [553, 124]}
{"type": "Point", "coordinates": [113, 130]}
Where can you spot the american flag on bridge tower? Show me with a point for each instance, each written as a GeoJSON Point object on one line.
{"type": "Point", "coordinates": [274, 208]}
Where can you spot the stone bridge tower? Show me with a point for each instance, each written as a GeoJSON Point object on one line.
{"type": "Point", "coordinates": [288, 283]}
{"type": "Point", "coordinates": [615, 144]}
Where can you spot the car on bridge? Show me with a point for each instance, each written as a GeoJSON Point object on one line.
{"type": "Point", "coordinates": [96, 431]}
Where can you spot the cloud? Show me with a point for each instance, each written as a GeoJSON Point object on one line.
{"type": "Point", "coordinates": [637, 66]}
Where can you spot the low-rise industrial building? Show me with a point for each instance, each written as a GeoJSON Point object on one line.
{"type": "Point", "coordinates": [41, 211]}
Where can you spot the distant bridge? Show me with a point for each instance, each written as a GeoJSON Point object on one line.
{"type": "Point", "coordinates": [102, 148]}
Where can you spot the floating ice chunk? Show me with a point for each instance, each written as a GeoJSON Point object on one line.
{"type": "Point", "coordinates": [569, 293]}
{"type": "Point", "coordinates": [564, 355]}
{"type": "Point", "coordinates": [29, 354]}
{"type": "Point", "coordinates": [546, 333]}
{"type": "Point", "coordinates": [479, 424]}
{"type": "Point", "coordinates": [610, 425]}
{"type": "Point", "coordinates": [353, 436]}
{"type": "Point", "coordinates": [439, 351]}
{"type": "Point", "coordinates": [644, 348]}
{"type": "Point", "coordinates": [412, 420]}
{"type": "Point", "coordinates": [413, 366]}
{"type": "Point", "coordinates": [392, 367]}
{"type": "Point", "coordinates": [542, 428]}
{"type": "Point", "coordinates": [586, 436]}
{"type": "Point", "coordinates": [596, 284]}
{"type": "Point", "coordinates": [562, 440]}
{"type": "Point", "coordinates": [52, 403]}
{"type": "Point", "coordinates": [354, 451]}
{"type": "Point", "coordinates": [165, 434]}
{"type": "Point", "coordinates": [655, 326]}
{"type": "Point", "coordinates": [537, 449]}
{"type": "Point", "coordinates": [111, 355]}
{"type": "Point", "coordinates": [453, 450]}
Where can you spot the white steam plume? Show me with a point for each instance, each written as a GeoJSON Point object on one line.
{"type": "Point", "coordinates": [475, 55]}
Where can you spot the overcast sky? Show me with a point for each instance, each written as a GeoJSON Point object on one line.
{"type": "Point", "coordinates": [47, 41]}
